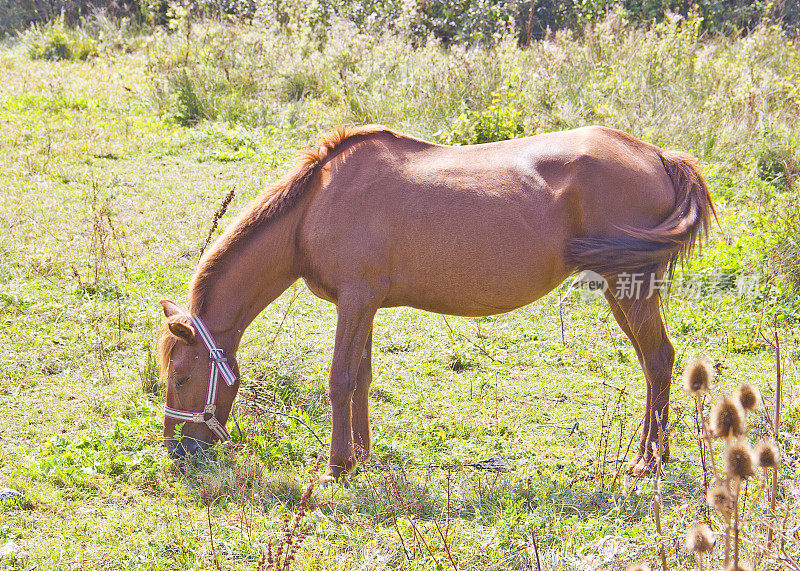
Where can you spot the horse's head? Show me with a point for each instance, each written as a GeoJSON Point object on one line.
{"type": "Point", "coordinates": [185, 363]}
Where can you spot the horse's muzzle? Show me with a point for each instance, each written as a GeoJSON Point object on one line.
{"type": "Point", "coordinates": [186, 447]}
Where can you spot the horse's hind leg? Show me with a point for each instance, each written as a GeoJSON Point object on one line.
{"type": "Point", "coordinates": [622, 320]}
{"type": "Point", "coordinates": [356, 309]}
{"type": "Point", "coordinates": [640, 319]}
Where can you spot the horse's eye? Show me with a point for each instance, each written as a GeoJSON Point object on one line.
{"type": "Point", "coordinates": [181, 381]}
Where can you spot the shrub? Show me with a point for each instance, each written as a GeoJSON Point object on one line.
{"type": "Point", "coordinates": [299, 83]}
{"type": "Point", "coordinates": [190, 106]}
{"type": "Point", "coordinates": [464, 21]}
{"type": "Point", "coordinates": [55, 41]}
{"type": "Point", "coordinates": [501, 120]}
{"type": "Point", "coordinates": [17, 15]}
{"type": "Point", "coordinates": [452, 22]}
{"type": "Point", "coordinates": [116, 34]}
{"type": "Point", "coordinates": [777, 164]}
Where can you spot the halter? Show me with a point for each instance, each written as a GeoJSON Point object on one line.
{"type": "Point", "coordinates": [219, 365]}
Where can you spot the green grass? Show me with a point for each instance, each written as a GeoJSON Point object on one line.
{"type": "Point", "coordinates": [111, 176]}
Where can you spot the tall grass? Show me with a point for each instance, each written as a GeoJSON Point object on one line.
{"type": "Point", "coordinates": [56, 41]}
{"type": "Point", "coordinates": [669, 83]}
{"type": "Point", "coordinates": [732, 101]}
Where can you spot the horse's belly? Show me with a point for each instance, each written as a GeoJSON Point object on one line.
{"type": "Point", "coordinates": [465, 285]}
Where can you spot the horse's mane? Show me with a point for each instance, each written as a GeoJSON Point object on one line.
{"type": "Point", "coordinates": [276, 200]}
{"type": "Point", "coordinates": [164, 345]}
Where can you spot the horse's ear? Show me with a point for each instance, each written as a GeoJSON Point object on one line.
{"type": "Point", "coordinates": [181, 327]}
{"type": "Point", "coordinates": [178, 321]}
{"type": "Point", "coordinates": [171, 308]}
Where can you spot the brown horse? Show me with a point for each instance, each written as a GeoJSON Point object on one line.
{"type": "Point", "coordinates": [371, 218]}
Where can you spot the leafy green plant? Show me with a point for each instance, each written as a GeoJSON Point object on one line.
{"type": "Point", "coordinates": [55, 41]}
{"type": "Point", "coordinates": [126, 451]}
{"type": "Point", "coordinates": [501, 120]}
{"type": "Point", "coordinates": [465, 21]}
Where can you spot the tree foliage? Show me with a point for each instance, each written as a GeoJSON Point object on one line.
{"type": "Point", "coordinates": [450, 21]}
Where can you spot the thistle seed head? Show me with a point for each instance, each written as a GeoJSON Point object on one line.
{"type": "Point", "coordinates": [739, 460]}
{"type": "Point", "coordinates": [698, 375]}
{"type": "Point", "coordinates": [727, 418]}
{"type": "Point", "coordinates": [719, 498]}
{"type": "Point", "coordinates": [638, 567]}
{"type": "Point", "coordinates": [767, 455]}
{"type": "Point", "coordinates": [749, 396]}
{"type": "Point", "coordinates": [743, 566]}
{"type": "Point", "coordinates": [700, 538]}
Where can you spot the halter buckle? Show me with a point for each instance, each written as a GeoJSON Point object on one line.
{"type": "Point", "coordinates": [217, 355]}
{"type": "Point", "coordinates": [217, 428]}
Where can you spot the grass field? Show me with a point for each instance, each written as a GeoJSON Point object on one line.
{"type": "Point", "coordinates": [112, 169]}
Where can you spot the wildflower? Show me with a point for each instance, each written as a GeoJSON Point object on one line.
{"type": "Point", "coordinates": [727, 418]}
{"type": "Point", "coordinates": [739, 460]}
{"type": "Point", "coordinates": [697, 375]}
{"type": "Point", "coordinates": [767, 455]}
{"type": "Point", "coordinates": [700, 538]}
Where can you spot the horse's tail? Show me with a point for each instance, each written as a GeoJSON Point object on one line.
{"type": "Point", "coordinates": [660, 247]}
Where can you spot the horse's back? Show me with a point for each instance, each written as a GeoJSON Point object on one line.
{"type": "Point", "coordinates": [476, 229]}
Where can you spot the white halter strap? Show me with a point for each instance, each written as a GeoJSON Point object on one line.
{"type": "Point", "coordinates": [219, 366]}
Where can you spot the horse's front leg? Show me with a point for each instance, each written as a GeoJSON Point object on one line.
{"type": "Point", "coordinates": [355, 312]}
{"type": "Point", "coordinates": [362, 439]}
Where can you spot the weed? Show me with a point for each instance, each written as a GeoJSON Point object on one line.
{"type": "Point", "coordinates": [126, 451]}
{"type": "Point", "coordinates": [727, 495]}
{"type": "Point", "coordinates": [501, 120]}
{"type": "Point", "coordinates": [283, 555]}
{"type": "Point", "coordinates": [149, 376]}
{"type": "Point", "coordinates": [55, 41]}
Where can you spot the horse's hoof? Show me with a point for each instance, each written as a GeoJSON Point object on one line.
{"type": "Point", "coordinates": [642, 467]}
{"type": "Point", "coordinates": [330, 478]}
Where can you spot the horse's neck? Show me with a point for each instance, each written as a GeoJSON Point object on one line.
{"type": "Point", "coordinates": [254, 274]}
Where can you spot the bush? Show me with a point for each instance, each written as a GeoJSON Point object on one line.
{"type": "Point", "coordinates": [501, 120]}
{"type": "Point", "coordinates": [18, 15]}
{"type": "Point", "coordinates": [464, 21]}
{"type": "Point", "coordinates": [299, 83]}
{"type": "Point", "coordinates": [484, 21]}
{"type": "Point", "coordinates": [451, 22]}
{"type": "Point", "coordinates": [55, 41]}
{"type": "Point", "coordinates": [115, 34]}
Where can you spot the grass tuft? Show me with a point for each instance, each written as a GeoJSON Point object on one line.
{"type": "Point", "coordinates": [55, 41]}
